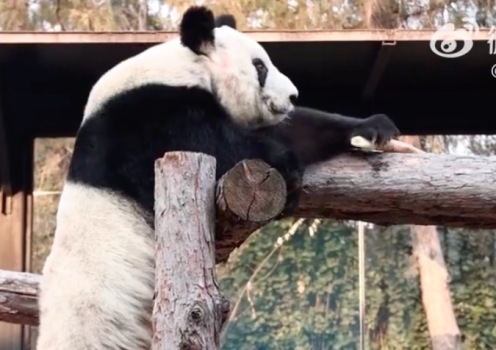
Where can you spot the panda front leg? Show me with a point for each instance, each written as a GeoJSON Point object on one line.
{"type": "Point", "coordinates": [315, 136]}
{"type": "Point", "coordinates": [291, 169]}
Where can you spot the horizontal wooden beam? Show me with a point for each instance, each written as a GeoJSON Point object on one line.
{"type": "Point", "coordinates": [18, 297]}
{"type": "Point", "coordinates": [387, 188]}
{"type": "Point", "coordinates": [400, 189]}
{"type": "Point", "coordinates": [259, 35]}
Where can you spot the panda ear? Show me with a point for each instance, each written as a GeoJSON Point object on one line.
{"type": "Point", "coordinates": [197, 30]}
{"type": "Point", "coordinates": [226, 20]}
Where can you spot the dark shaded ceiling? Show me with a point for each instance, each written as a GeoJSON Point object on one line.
{"type": "Point", "coordinates": [46, 77]}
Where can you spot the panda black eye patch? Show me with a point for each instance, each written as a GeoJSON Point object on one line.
{"type": "Point", "coordinates": [261, 71]}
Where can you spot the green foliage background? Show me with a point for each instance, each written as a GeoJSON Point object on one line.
{"type": "Point", "coordinates": [306, 294]}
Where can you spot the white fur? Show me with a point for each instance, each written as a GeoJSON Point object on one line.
{"type": "Point", "coordinates": [102, 255]}
{"type": "Point", "coordinates": [227, 71]}
{"type": "Point", "coordinates": [102, 258]}
{"type": "Point", "coordinates": [167, 63]}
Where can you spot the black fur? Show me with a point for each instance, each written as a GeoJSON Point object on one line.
{"type": "Point", "coordinates": [197, 29]}
{"type": "Point", "coordinates": [116, 149]}
{"type": "Point", "coordinates": [262, 71]}
{"type": "Point", "coordinates": [226, 20]}
{"type": "Point", "coordinates": [315, 136]}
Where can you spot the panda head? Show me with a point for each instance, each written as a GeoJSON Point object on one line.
{"type": "Point", "coordinates": [214, 56]}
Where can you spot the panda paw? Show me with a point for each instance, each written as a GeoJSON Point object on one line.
{"type": "Point", "coordinates": [378, 128]}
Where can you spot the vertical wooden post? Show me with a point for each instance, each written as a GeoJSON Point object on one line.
{"type": "Point", "coordinates": [15, 229]}
{"type": "Point", "coordinates": [189, 310]}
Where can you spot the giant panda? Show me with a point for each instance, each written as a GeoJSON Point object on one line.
{"type": "Point", "coordinates": [212, 90]}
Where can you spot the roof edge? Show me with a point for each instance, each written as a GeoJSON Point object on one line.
{"type": "Point", "coordinates": [259, 35]}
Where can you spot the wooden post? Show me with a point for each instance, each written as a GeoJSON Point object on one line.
{"type": "Point", "coordinates": [189, 310]}
{"type": "Point", "coordinates": [15, 229]}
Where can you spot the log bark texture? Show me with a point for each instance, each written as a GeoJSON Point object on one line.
{"type": "Point", "coordinates": [19, 297]}
{"type": "Point", "coordinates": [383, 188]}
{"type": "Point", "coordinates": [392, 189]}
{"type": "Point", "coordinates": [188, 309]}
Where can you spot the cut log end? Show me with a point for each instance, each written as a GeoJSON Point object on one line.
{"type": "Point", "coordinates": [248, 196]}
{"type": "Point", "coordinates": [253, 191]}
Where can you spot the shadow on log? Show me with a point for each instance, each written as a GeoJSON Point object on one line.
{"type": "Point", "coordinates": [382, 188]}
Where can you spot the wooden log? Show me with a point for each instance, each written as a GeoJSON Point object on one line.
{"type": "Point", "coordinates": [397, 189]}
{"type": "Point", "coordinates": [188, 310]}
{"type": "Point", "coordinates": [383, 188]}
{"type": "Point", "coordinates": [252, 193]}
{"type": "Point", "coordinates": [18, 297]}
{"type": "Point", "coordinates": [248, 196]}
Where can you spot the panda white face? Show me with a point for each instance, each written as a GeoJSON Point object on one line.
{"type": "Point", "coordinates": [246, 81]}
{"type": "Point", "coordinates": [224, 61]}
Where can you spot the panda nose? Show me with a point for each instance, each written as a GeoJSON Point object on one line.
{"type": "Point", "coordinates": [293, 98]}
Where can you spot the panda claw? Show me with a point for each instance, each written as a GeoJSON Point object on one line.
{"type": "Point", "coordinates": [377, 129]}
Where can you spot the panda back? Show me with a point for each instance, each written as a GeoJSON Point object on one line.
{"type": "Point", "coordinates": [117, 146]}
